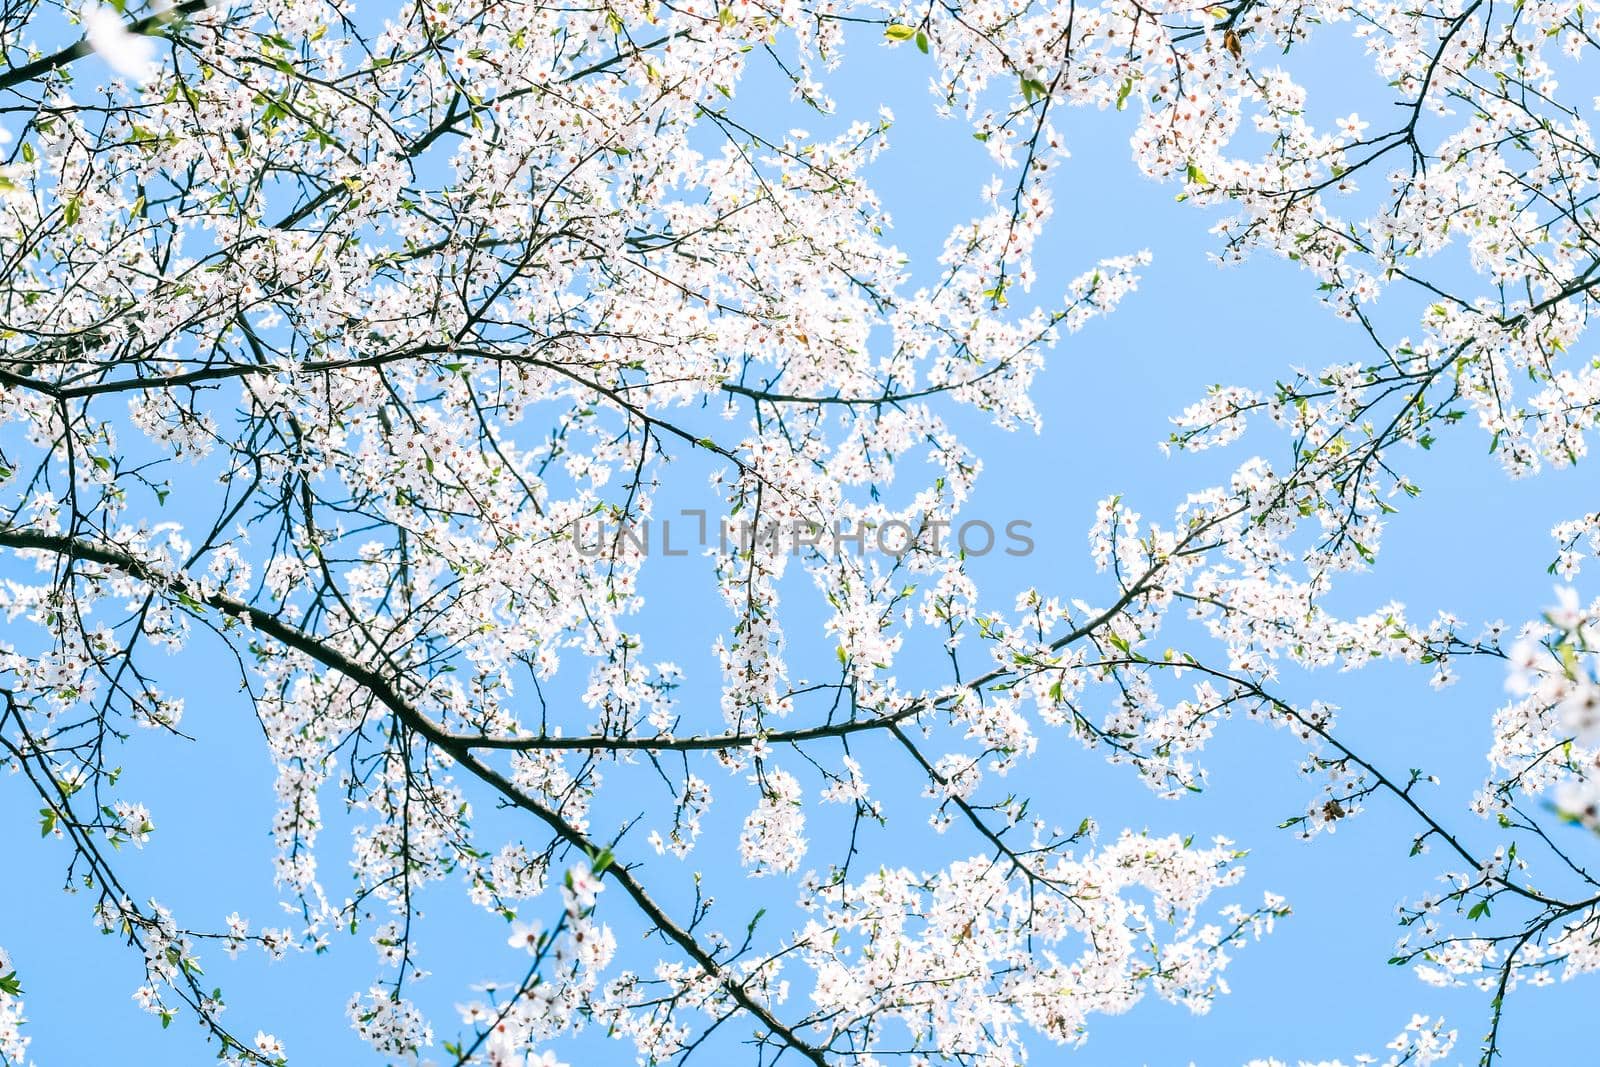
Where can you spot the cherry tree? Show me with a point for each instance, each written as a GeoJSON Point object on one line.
{"type": "Point", "coordinates": [353, 350]}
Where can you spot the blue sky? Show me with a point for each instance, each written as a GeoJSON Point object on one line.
{"type": "Point", "coordinates": [1474, 543]}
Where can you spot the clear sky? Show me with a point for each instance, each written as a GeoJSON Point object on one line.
{"type": "Point", "coordinates": [1474, 543]}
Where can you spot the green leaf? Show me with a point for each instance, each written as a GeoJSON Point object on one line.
{"type": "Point", "coordinates": [922, 42]}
